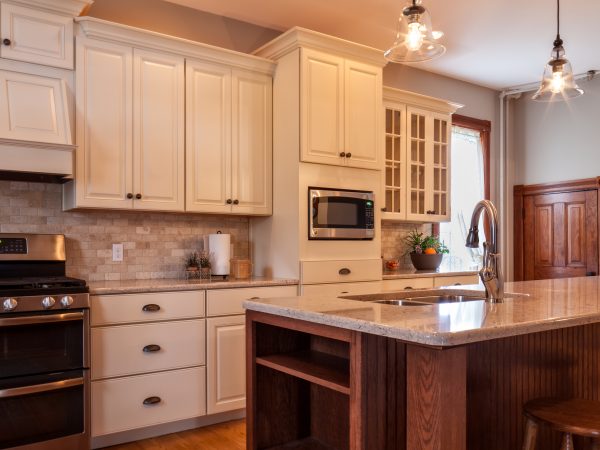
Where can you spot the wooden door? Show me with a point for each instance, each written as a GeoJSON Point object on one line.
{"type": "Point", "coordinates": [226, 357]}
{"type": "Point", "coordinates": [104, 124]}
{"type": "Point", "coordinates": [208, 137]}
{"type": "Point", "coordinates": [560, 235]}
{"type": "Point", "coordinates": [322, 108]}
{"type": "Point", "coordinates": [251, 147]}
{"type": "Point", "coordinates": [158, 131]}
{"type": "Point", "coordinates": [36, 36]}
{"type": "Point", "coordinates": [362, 112]}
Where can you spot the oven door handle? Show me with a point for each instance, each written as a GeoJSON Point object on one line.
{"type": "Point", "coordinates": [32, 320]}
{"type": "Point", "coordinates": [38, 388]}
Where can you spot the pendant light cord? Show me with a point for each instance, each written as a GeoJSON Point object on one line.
{"type": "Point", "coordinates": [558, 18]}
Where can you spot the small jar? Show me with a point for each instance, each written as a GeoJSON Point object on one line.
{"type": "Point", "coordinates": [241, 268]}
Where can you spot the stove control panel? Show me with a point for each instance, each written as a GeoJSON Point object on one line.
{"type": "Point", "coordinates": [13, 246]}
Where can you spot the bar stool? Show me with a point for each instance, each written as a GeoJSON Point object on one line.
{"type": "Point", "coordinates": [570, 417]}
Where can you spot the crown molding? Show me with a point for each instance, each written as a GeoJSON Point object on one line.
{"type": "Point", "coordinates": [422, 101]}
{"type": "Point", "coordinates": [298, 37]}
{"type": "Point", "coordinates": [139, 38]}
{"type": "Point", "coordinates": [67, 7]}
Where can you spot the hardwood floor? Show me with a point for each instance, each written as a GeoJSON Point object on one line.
{"type": "Point", "coordinates": [223, 436]}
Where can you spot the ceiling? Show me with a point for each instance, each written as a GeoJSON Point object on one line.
{"type": "Point", "coordinates": [493, 43]}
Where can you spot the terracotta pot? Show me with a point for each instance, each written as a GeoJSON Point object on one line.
{"type": "Point", "coordinates": [422, 261]}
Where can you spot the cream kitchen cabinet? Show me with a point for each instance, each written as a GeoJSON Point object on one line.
{"type": "Point", "coordinates": [130, 128]}
{"type": "Point", "coordinates": [40, 33]}
{"type": "Point", "coordinates": [229, 140]}
{"type": "Point", "coordinates": [340, 110]}
{"type": "Point", "coordinates": [417, 157]}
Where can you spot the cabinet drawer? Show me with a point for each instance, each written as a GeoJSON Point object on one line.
{"type": "Point", "coordinates": [337, 289]}
{"type": "Point", "coordinates": [118, 405]}
{"type": "Point", "coordinates": [456, 281]}
{"type": "Point", "coordinates": [340, 271]}
{"type": "Point", "coordinates": [407, 283]}
{"type": "Point", "coordinates": [123, 350]}
{"type": "Point", "coordinates": [222, 302]}
{"type": "Point", "coordinates": [128, 308]}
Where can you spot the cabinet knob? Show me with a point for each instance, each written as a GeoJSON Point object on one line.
{"type": "Point", "coordinates": [152, 348]}
{"type": "Point", "coordinates": [151, 307]}
{"type": "Point", "coordinates": [152, 400]}
{"type": "Point", "coordinates": [344, 271]}
{"type": "Point", "coordinates": [408, 288]}
{"type": "Point", "coordinates": [254, 298]}
{"type": "Point", "coordinates": [229, 201]}
{"type": "Point", "coordinates": [343, 154]}
{"type": "Point", "coordinates": [138, 196]}
{"type": "Point", "coordinates": [6, 41]}
{"type": "Point", "coordinates": [384, 209]}
{"type": "Point", "coordinates": [236, 202]}
{"type": "Point", "coordinates": [348, 155]}
{"type": "Point", "coordinates": [129, 195]}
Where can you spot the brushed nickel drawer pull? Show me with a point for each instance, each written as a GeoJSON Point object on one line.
{"type": "Point", "coordinates": [345, 271]}
{"type": "Point", "coordinates": [152, 348]}
{"type": "Point", "coordinates": [152, 401]}
{"type": "Point", "coordinates": [152, 307]}
{"type": "Point", "coordinates": [457, 284]}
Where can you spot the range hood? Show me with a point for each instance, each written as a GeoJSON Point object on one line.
{"type": "Point", "coordinates": [35, 132]}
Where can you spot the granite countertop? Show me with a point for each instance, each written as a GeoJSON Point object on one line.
{"type": "Point", "coordinates": [540, 306]}
{"type": "Point", "coordinates": [445, 270]}
{"type": "Point", "coordinates": [166, 285]}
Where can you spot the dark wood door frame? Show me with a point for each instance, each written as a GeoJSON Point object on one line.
{"type": "Point", "coordinates": [522, 191]}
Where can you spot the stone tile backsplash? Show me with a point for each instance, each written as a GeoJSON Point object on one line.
{"type": "Point", "coordinates": [154, 243]}
{"type": "Point", "coordinates": [392, 240]}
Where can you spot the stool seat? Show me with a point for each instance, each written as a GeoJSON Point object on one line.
{"type": "Point", "coordinates": [574, 416]}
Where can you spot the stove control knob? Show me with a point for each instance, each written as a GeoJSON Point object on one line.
{"type": "Point", "coordinates": [48, 302]}
{"type": "Point", "coordinates": [66, 301]}
{"type": "Point", "coordinates": [9, 304]}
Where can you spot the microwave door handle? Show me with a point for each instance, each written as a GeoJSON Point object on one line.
{"type": "Point", "coordinates": [38, 388]}
{"type": "Point", "coordinates": [33, 320]}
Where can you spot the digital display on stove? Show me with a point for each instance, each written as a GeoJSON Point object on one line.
{"type": "Point", "coordinates": [13, 246]}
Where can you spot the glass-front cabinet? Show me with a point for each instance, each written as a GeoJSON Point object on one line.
{"type": "Point", "coordinates": [417, 158]}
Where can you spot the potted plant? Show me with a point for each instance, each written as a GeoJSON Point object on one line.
{"type": "Point", "coordinates": [192, 265]}
{"type": "Point", "coordinates": [204, 261]}
{"type": "Point", "coordinates": [426, 252]}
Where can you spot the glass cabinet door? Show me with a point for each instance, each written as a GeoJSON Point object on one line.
{"type": "Point", "coordinates": [417, 163]}
{"type": "Point", "coordinates": [395, 157]}
{"type": "Point", "coordinates": [441, 158]}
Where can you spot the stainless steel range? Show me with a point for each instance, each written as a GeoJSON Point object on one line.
{"type": "Point", "coordinates": [44, 347]}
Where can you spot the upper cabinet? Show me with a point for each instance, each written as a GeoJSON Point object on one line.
{"type": "Point", "coordinates": [170, 125]}
{"type": "Point", "coordinates": [417, 157]}
{"type": "Point", "coordinates": [39, 31]}
{"type": "Point", "coordinates": [340, 97]}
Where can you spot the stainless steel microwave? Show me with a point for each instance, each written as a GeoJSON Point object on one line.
{"type": "Point", "coordinates": [340, 214]}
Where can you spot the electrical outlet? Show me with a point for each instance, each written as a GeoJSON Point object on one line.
{"type": "Point", "coordinates": [117, 252]}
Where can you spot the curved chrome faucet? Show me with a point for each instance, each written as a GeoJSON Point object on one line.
{"type": "Point", "coordinates": [490, 273]}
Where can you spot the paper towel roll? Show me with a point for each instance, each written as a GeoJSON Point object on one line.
{"type": "Point", "coordinates": [220, 253]}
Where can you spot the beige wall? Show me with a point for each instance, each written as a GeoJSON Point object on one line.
{"type": "Point", "coordinates": [557, 141]}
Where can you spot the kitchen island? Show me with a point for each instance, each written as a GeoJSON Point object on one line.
{"type": "Point", "coordinates": [341, 373]}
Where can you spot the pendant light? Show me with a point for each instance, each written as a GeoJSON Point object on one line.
{"type": "Point", "coordinates": [415, 40]}
{"type": "Point", "coordinates": [558, 82]}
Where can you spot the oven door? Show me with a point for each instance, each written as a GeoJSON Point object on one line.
{"type": "Point", "coordinates": [45, 412]}
{"type": "Point", "coordinates": [341, 214]}
{"type": "Point", "coordinates": [34, 344]}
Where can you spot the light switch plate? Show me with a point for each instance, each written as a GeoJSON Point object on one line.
{"type": "Point", "coordinates": [117, 252]}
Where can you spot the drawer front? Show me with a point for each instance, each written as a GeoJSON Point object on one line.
{"type": "Point", "coordinates": [223, 302]}
{"type": "Point", "coordinates": [340, 271]}
{"type": "Point", "coordinates": [127, 349]}
{"type": "Point", "coordinates": [456, 281]}
{"type": "Point", "coordinates": [129, 308]}
{"type": "Point", "coordinates": [407, 284]}
{"type": "Point", "coordinates": [337, 289]}
{"type": "Point", "coordinates": [118, 405]}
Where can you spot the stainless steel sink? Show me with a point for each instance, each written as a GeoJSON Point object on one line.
{"type": "Point", "coordinates": [437, 299]}
{"type": "Point", "coordinates": [401, 303]}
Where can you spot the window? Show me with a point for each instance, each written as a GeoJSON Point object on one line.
{"type": "Point", "coordinates": [469, 184]}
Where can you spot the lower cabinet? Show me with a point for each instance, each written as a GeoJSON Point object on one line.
{"type": "Point", "coordinates": [226, 362]}
{"type": "Point", "coordinates": [127, 403]}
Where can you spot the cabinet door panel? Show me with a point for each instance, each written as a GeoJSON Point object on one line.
{"type": "Point", "coordinates": [362, 110]}
{"type": "Point", "coordinates": [208, 137]}
{"type": "Point", "coordinates": [439, 168]}
{"type": "Point", "coordinates": [158, 131]}
{"type": "Point", "coordinates": [322, 114]}
{"type": "Point", "coordinates": [104, 123]}
{"type": "Point", "coordinates": [395, 162]}
{"type": "Point", "coordinates": [226, 364]}
{"type": "Point", "coordinates": [251, 147]}
{"type": "Point", "coordinates": [417, 164]}
{"type": "Point", "coordinates": [37, 36]}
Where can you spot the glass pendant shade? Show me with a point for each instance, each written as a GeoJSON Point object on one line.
{"type": "Point", "coordinates": [558, 82]}
{"type": "Point", "coordinates": [415, 40]}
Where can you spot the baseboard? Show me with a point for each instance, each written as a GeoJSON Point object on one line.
{"type": "Point", "coordinates": [167, 428]}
